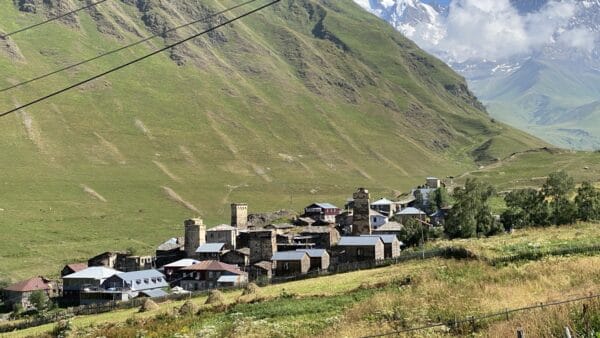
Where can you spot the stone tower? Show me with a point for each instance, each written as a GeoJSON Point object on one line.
{"type": "Point", "coordinates": [361, 222]}
{"type": "Point", "coordinates": [195, 234]}
{"type": "Point", "coordinates": [239, 215]}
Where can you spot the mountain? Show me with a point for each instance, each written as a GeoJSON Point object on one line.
{"type": "Point", "coordinates": [534, 64]}
{"type": "Point", "coordinates": [302, 102]}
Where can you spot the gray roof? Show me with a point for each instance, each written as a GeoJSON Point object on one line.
{"type": "Point", "coordinates": [390, 226]}
{"type": "Point", "coordinates": [154, 293]}
{"type": "Point", "coordinates": [383, 201]}
{"type": "Point", "coordinates": [94, 272]}
{"type": "Point", "coordinates": [288, 256]}
{"type": "Point", "coordinates": [144, 280]}
{"type": "Point", "coordinates": [326, 205]}
{"type": "Point", "coordinates": [387, 239]}
{"type": "Point", "coordinates": [210, 247]}
{"type": "Point", "coordinates": [222, 227]}
{"type": "Point", "coordinates": [228, 279]}
{"type": "Point", "coordinates": [411, 211]}
{"type": "Point", "coordinates": [182, 263]}
{"type": "Point", "coordinates": [314, 229]}
{"type": "Point", "coordinates": [359, 241]}
{"type": "Point", "coordinates": [314, 252]}
{"type": "Point", "coordinates": [170, 244]}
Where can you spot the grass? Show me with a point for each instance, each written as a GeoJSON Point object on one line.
{"type": "Point", "coordinates": [373, 301]}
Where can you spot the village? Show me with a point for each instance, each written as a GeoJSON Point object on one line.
{"type": "Point", "coordinates": [232, 255]}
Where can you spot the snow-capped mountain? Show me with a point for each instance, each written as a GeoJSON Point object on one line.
{"type": "Point", "coordinates": [534, 63]}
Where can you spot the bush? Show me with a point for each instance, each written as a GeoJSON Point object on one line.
{"type": "Point", "coordinates": [62, 329]}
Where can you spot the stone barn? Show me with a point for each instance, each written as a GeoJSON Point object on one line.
{"type": "Point", "coordinates": [361, 248]}
{"type": "Point", "coordinates": [291, 263]}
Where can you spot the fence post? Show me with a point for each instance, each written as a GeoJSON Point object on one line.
{"type": "Point", "coordinates": [520, 333]}
{"type": "Point", "coordinates": [567, 332]}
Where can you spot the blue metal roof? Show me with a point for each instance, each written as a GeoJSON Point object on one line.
{"type": "Point", "coordinates": [326, 205]}
{"type": "Point", "coordinates": [387, 239]}
{"type": "Point", "coordinates": [314, 252]}
{"type": "Point", "coordinates": [143, 280]}
{"type": "Point", "coordinates": [154, 293]}
{"type": "Point", "coordinates": [411, 211]}
{"type": "Point", "coordinates": [228, 279]}
{"type": "Point", "coordinates": [288, 256]}
{"type": "Point", "coordinates": [210, 247]}
{"type": "Point", "coordinates": [359, 240]}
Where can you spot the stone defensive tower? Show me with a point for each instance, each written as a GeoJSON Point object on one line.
{"type": "Point", "coordinates": [239, 215]}
{"type": "Point", "coordinates": [195, 234]}
{"type": "Point", "coordinates": [361, 220]}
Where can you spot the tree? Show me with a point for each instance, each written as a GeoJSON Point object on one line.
{"type": "Point", "coordinates": [525, 207]}
{"type": "Point", "coordinates": [557, 188]}
{"type": "Point", "coordinates": [471, 214]}
{"type": "Point", "coordinates": [439, 197]}
{"type": "Point", "coordinates": [39, 300]}
{"type": "Point", "coordinates": [588, 202]}
{"type": "Point", "coordinates": [412, 232]}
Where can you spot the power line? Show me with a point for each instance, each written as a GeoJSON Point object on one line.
{"type": "Point", "coordinates": [137, 60]}
{"type": "Point", "coordinates": [506, 313]}
{"type": "Point", "coordinates": [4, 36]}
{"type": "Point", "coordinates": [124, 47]}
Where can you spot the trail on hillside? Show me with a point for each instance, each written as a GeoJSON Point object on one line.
{"type": "Point", "coordinates": [93, 193]}
{"type": "Point", "coordinates": [166, 171]}
{"type": "Point", "coordinates": [176, 198]}
{"type": "Point", "coordinates": [112, 149]}
{"type": "Point", "coordinates": [142, 127]}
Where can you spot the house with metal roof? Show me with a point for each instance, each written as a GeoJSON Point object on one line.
{"type": "Point", "coordinates": [324, 212]}
{"type": "Point", "coordinates": [211, 251]}
{"type": "Point", "coordinates": [361, 248]}
{"type": "Point", "coordinates": [291, 263]}
{"type": "Point", "coordinates": [319, 258]}
{"type": "Point", "coordinates": [408, 213]}
{"type": "Point", "coordinates": [385, 206]}
{"type": "Point", "coordinates": [391, 245]}
{"type": "Point", "coordinates": [19, 293]}
{"type": "Point", "coordinates": [128, 285]}
{"type": "Point", "coordinates": [223, 233]}
{"type": "Point", "coordinates": [92, 277]}
{"type": "Point", "coordinates": [170, 251]}
{"type": "Point", "coordinates": [72, 268]}
{"type": "Point", "coordinates": [205, 275]}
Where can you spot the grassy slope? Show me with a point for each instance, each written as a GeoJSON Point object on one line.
{"type": "Point", "coordinates": [336, 306]}
{"type": "Point", "coordinates": [276, 116]}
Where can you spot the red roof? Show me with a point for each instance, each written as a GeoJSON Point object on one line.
{"type": "Point", "coordinates": [33, 284]}
{"type": "Point", "coordinates": [213, 266]}
{"type": "Point", "coordinates": [76, 267]}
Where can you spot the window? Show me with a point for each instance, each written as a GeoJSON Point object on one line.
{"type": "Point", "coordinates": [210, 274]}
{"type": "Point", "coordinates": [138, 281]}
{"type": "Point", "coordinates": [286, 266]}
{"type": "Point", "coordinates": [359, 252]}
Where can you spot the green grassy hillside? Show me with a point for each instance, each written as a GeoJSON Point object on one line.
{"type": "Point", "coordinates": [302, 102]}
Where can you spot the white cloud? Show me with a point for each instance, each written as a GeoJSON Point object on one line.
{"type": "Point", "coordinates": [494, 29]}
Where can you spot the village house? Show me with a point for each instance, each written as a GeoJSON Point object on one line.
{"type": "Point", "coordinates": [280, 227]}
{"type": "Point", "coordinates": [304, 221]}
{"type": "Point", "coordinates": [262, 244]}
{"type": "Point", "coordinates": [128, 263]}
{"type": "Point", "coordinates": [391, 245]}
{"type": "Point", "coordinates": [438, 218]}
{"type": "Point", "coordinates": [170, 251]}
{"type": "Point", "coordinates": [72, 268]}
{"type": "Point", "coordinates": [261, 271]}
{"type": "Point", "coordinates": [291, 263]}
{"type": "Point", "coordinates": [91, 278]}
{"type": "Point", "coordinates": [107, 259]}
{"type": "Point", "coordinates": [19, 293]}
{"type": "Point", "coordinates": [319, 258]}
{"type": "Point", "coordinates": [324, 237]}
{"type": "Point", "coordinates": [205, 275]}
{"type": "Point", "coordinates": [390, 228]}
{"type": "Point", "coordinates": [211, 251]}
{"type": "Point", "coordinates": [171, 269]}
{"type": "Point", "coordinates": [377, 219]}
{"type": "Point", "coordinates": [222, 234]}
{"type": "Point", "coordinates": [128, 285]}
{"type": "Point", "coordinates": [324, 212]}
{"type": "Point", "coordinates": [239, 257]}
{"type": "Point", "coordinates": [410, 213]}
{"type": "Point", "coordinates": [361, 248]}
{"type": "Point", "coordinates": [385, 207]}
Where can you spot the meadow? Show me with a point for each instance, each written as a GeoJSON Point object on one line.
{"type": "Point", "coordinates": [370, 301]}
